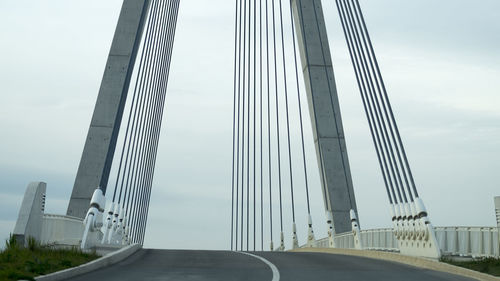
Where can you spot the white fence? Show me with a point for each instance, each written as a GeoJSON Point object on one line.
{"type": "Point", "coordinates": [468, 241]}
{"type": "Point", "coordinates": [463, 241]}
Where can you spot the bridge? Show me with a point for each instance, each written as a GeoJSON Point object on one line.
{"type": "Point", "coordinates": [286, 111]}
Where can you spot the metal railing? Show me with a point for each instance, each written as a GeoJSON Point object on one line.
{"type": "Point", "coordinates": [379, 239]}
{"type": "Point", "coordinates": [468, 241]}
{"type": "Point", "coordinates": [453, 240]}
{"type": "Point", "coordinates": [61, 230]}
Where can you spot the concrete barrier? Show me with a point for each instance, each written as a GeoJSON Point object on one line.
{"type": "Point", "coordinates": [413, 261]}
{"type": "Point", "coordinates": [104, 261]}
{"type": "Point", "coordinates": [61, 230]}
{"type": "Point", "coordinates": [30, 218]}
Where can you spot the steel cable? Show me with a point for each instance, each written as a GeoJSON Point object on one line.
{"type": "Point", "coordinates": [277, 115]}
{"type": "Point", "coordinates": [133, 110]}
{"type": "Point", "coordinates": [135, 103]}
{"type": "Point", "coordinates": [238, 129]}
{"type": "Point", "coordinates": [300, 110]}
{"type": "Point", "coordinates": [153, 130]}
{"type": "Point", "coordinates": [243, 124]}
{"type": "Point", "coordinates": [254, 114]}
{"type": "Point", "coordinates": [368, 111]}
{"type": "Point", "coordinates": [136, 124]}
{"type": "Point", "coordinates": [248, 118]}
{"type": "Point", "coordinates": [373, 103]}
{"type": "Point", "coordinates": [159, 117]}
{"type": "Point", "coordinates": [143, 126]}
{"type": "Point", "coordinates": [234, 120]}
{"type": "Point", "coordinates": [388, 142]}
{"type": "Point", "coordinates": [386, 103]}
{"type": "Point", "coordinates": [261, 137]}
{"type": "Point", "coordinates": [269, 125]}
{"type": "Point", "coordinates": [286, 109]}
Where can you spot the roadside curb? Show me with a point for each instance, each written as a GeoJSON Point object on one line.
{"type": "Point", "coordinates": [101, 262]}
{"type": "Point", "coordinates": [413, 261]}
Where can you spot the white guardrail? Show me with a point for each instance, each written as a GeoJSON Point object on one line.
{"type": "Point", "coordinates": [452, 240]}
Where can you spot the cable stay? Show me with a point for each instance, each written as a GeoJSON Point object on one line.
{"type": "Point", "coordinates": [264, 77]}
{"type": "Point", "coordinates": [127, 216]}
{"type": "Point", "coordinates": [261, 103]}
{"type": "Point", "coordinates": [409, 216]}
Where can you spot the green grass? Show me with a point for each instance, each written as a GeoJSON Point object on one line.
{"type": "Point", "coordinates": [486, 265]}
{"type": "Point", "coordinates": [17, 262]}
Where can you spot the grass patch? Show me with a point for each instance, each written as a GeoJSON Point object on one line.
{"type": "Point", "coordinates": [18, 262]}
{"type": "Point", "coordinates": [486, 265]}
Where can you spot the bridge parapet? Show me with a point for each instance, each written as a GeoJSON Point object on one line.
{"type": "Point", "coordinates": [61, 230]}
{"type": "Point", "coordinates": [468, 241]}
{"type": "Point", "coordinates": [30, 218]}
{"type": "Point", "coordinates": [452, 240]}
{"type": "Point", "coordinates": [48, 229]}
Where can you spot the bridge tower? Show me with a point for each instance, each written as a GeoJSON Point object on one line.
{"type": "Point", "coordinates": [324, 109]}
{"type": "Point", "coordinates": [100, 144]}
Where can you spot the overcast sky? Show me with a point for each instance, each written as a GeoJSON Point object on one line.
{"type": "Point", "coordinates": [440, 62]}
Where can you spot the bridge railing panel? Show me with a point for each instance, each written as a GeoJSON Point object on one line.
{"type": "Point", "coordinates": [322, 243]}
{"type": "Point", "coordinates": [344, 240]}
{"type": "Point", "coordinates": [458, 241]}
{"type": "Point", "coordinates": [379, 239]}
{"type": "Point", "coordinates": [468, 241]}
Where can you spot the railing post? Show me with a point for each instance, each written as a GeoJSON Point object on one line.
{"type": "Point", "coordinates": [468, 246]}
{"type": "Point", "coordinates": [497, 212]}
{"type": "Point", "coordinates": [445, 241]}
{"type": "Point", "coordinates": [456, 245]}
{"type": "Point", "coordinates": [491, 250]}
{"type": "Point", "coordinates": [481, 242]}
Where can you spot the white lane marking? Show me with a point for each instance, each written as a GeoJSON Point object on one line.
{"type": "Point", "coordinates": [274, 269]}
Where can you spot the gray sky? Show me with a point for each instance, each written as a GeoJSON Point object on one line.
{"type": "Point", "coordinates": [440, 62]}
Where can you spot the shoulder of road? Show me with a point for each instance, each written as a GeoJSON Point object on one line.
{"type": "Point", "coordinates": [107, 260]}
{"type": "Point", "coordinates": [413, 261]}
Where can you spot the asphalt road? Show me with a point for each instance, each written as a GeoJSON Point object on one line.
{"type": "Point", "coordinates": [184, 265]}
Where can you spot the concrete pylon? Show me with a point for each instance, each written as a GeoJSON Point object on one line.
{"type": "Point", "coordinates": [30, 219]}
{"type": "Point", "coordinates": [325, 114]}
{"type": "Point", "coordinates": [100, 144]}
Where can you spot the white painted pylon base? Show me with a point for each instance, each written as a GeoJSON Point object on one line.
{"type": "Point", "coordinates": [115, 230]}
{"type": "Point", "coordinates": [282, 242]}
{"type": "Point", "coordinates": [108, 224]}
{"type": "Point", "coordinates": [311, 240]}
{"type": "Point", "coordinates": [414, 231]}
{"type": "Point", "coordinates": [295, 243]}
{"type": "Point", "coordinates": [356, 232]}
{"type": "Point", "coordinates": [93, 220]}
{"type": "Point", "coordinates": [331, 230]}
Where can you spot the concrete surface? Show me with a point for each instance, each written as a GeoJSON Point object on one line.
{"type": "Point", "coordinates": [423, 263]}
{"type": "Point", "coordinates": [324, 108]}
{"type": "Point", "coordinates": [100, 144]}
{"type": "Point", "coordinates": [179, 265]}
{"type": "Point", "coordinates": [61, 230]}
{"type": "Point", "coordinates": [30, 219]}
{"type": "Point", "coordinates": [105, 261]}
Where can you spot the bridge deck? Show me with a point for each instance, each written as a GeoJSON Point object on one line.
{"type": "Point", "coordinates": [149, 264]}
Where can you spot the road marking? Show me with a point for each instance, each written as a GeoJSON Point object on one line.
{"type": "Point", "coordinates": [274, 269]}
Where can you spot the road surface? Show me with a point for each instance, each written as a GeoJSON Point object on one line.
{"type": "Point", "coordinates": [185, 265]}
